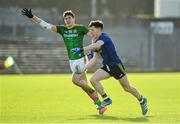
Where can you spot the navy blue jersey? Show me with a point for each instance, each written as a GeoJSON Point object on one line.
{"type": "Point", "coordinates": [108, 51]}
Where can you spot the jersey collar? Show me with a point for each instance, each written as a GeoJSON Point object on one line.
{"type": "Point", "coordinates": [70, 27]}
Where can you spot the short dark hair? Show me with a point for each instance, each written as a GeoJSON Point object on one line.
{"type": "Point", "coordinates": [68, 12]}
{"type": "Point", "coordinates": [96, 24]}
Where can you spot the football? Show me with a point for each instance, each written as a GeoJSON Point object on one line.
{"type": "Point", "coordinates": [79, 67]}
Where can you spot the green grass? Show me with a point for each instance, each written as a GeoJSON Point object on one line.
{"type": "Point", "coordinates": [53, 98]}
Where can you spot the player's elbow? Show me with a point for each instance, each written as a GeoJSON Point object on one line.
{"type": "Point", "coordinates": [97, 47]}
{"type": "Point", "coordinates": [53, 29]}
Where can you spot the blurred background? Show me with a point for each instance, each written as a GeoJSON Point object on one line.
{"type": "Point", "coordinates": [145, 33]}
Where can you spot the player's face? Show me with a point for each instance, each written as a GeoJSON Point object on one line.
{"type": "Point", "coordinates": [69, 20]}
{"type": "Point", "coordinates": [94, 32]}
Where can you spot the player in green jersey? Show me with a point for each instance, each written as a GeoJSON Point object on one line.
{"type": "Point", "coordinates": [72, 35]}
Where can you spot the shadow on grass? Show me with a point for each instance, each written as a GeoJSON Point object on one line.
{"type": "Point", "coordinates": [129, 119]}
{"type": "Point", "coordinates": [104, 117]}
{"type": "Point", "coordinates": [136, 119]}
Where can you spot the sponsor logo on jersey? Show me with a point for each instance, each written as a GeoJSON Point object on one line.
{"type": "Point", "coordinates": [70, 35]}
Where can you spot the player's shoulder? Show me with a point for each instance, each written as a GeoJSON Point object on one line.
{"type": "Point", "coordinates": [80, 25]}
{"type": "Point", "coordinates": [61, 26]}
{"type": "Point", "coordinates": [104, 36]}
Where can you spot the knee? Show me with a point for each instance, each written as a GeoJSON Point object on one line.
{"type": "Point", "coordinates": [75, 82]}
{"type": "Point", "coordinates": [93, 80]}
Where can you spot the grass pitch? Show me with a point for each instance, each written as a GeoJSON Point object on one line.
{"type": "Point", "coordinates": [54, 99]}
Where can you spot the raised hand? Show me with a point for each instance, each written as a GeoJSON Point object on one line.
{"type": "Point", "coordinates": [27, 13]}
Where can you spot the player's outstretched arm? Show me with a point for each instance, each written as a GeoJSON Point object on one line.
{"type": "Point", "coordinates": [42, 23]}
{"type": "Point", "coordinates": [94, 46]}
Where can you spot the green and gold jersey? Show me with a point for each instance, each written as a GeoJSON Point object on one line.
{"type": "Point", "coordinates": [73, 37]}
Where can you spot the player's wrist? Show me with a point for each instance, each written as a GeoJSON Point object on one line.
{"type": "Point", "coordinates": [82, 49]}
{"type": "Point", "coordinates": [32, 17]}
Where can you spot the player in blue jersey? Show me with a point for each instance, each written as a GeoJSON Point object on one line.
{"type": "Point", "coordinates": [112, 65]}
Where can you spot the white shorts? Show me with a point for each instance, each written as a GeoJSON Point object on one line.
{"type": "Point", "coordinates": [77, 66]}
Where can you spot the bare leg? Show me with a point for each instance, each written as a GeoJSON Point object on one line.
{"type": "Point", "coordinates": [98, 76]}
{"type": "Point", "coordinates": [128, 88]}
{"type": "Point", "coordinates": [81, 81]}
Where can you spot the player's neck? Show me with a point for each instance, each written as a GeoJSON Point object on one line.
{"type": "Point", "coordinates": [70, 26]}
{"type": "Point", "coordinates": [98, 35]}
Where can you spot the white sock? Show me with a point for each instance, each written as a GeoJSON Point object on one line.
{"type": "Point", "coordinates": [105, 98]}
{"type": "Point", "coordinates": [141, 101]}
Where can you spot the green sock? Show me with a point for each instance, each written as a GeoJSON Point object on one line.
{"type": "Point", "coordinates": [90, 90]}
{"type": "Point", "coordinates": [98, 103]}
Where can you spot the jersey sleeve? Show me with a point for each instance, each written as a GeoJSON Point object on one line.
{"type": "Point", "coordinates": [105, 40]}
{"type": "Point", "coordinates": [97, 50]}
{"type": "Point", "coordinates": [60, 29]}
{"type": "Point", "coordinates": [84, 30]}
